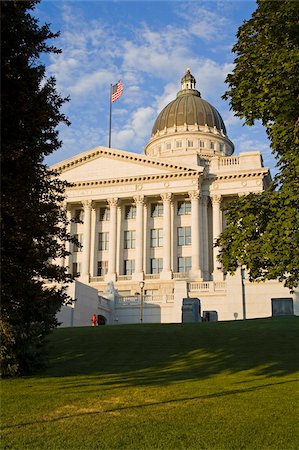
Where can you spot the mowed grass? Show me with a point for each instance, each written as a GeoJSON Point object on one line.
{"type": "Point", "coordinates": [229, 385]}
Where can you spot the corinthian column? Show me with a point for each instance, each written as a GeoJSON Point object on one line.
{"type": "Point", "coordinates": [86, 240]}
{"type": "Point", "coordinates": [111, 275]}
{"type": "Point", "coordinates": [69, 258]}
{"type": "Point", "coordinates": [166, 273]}
{"type": "Point", "coordinates": [196, 271]}
{"type": "Point", "coordinates": [216, 200]}
{"type": "Point", "coordinates": [139, 202]}
{"type": "Point", "coordinates": [204, 237]}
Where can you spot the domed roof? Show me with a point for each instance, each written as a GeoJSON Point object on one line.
{"type": "Point", "coordinates": [188, 108]}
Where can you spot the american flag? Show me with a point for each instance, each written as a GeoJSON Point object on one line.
{"type": "Point", "coordinates": [116, 91]}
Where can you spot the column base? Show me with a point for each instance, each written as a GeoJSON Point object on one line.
{"type": "Point", "coordinates": [218, 275]}
{"type": "Point", "coordinates": [110, 277]}
{"type": "Point", "coordinates": [137, 276]}
{"type": "Point", "coordinates": [84, 278]}
{"type": "Point", "coordinates": [196, 275]}
{"type": "Point", "coordinates": [166, 275]}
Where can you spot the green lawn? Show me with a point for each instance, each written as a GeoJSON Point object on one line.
{"type": "Point", "coordinates": [229, 385]}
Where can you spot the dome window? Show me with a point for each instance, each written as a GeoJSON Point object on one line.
{"type": "Point", "coordinates": [168, 146]}
{"type": "Point", "coordinates": [212, 145]}
{"type": "Point", "coordinates": [178, 144]}
{"type": "Point", "coordinates": [190, 143]}
{"type": "Point", "coordinates": [201, 144]}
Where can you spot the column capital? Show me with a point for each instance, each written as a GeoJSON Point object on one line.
{"type": "Point", "coordinates": [216, 199]}
{"type": "Point", "coordinates": [166, 196]}
{"type": "Point", "coordinates": [87, 204]}
{"type": "Point", "coordinates": [194, 195]}
{"type": "Point", "coordinates": [112, 201]}
{"type": "Point", "coordinates": [138, 199]}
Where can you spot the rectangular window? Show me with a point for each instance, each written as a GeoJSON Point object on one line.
{"type": "Point", "coordinates": [221, 147]}
{"type": "Point", "coordinates": [212, 145]}
{"type": "Point", "coordinates": [157, 237]}
{"type": "Point", "coordinates": [156, 265]}
{"type": "Point", "coordinates": [103, 241]}
{"type": "Point", "coordinates": [201, 144]}
{"type": "Point", "coordinates": [104, 214]}
{"type": "Point", "coordinates": [78, 215]}
{"type": "Point", "coordinates": [190, 143]}
{"type": "Point", "coordinates": [168, 146]}
{"type": "Point", "coordinates": [184, 207]}
{"type": "Point", "coordinates": [76, 269]}
{"type": "Point", "coordinates": [178, 144]}
{"type": "Point", "coordinates": [156, 209]}
{"type": "Point", "coordinates": [102, 268]}
{"type": "Point", "coordinates": [184, 235]}
{"type": "Point", "coordinates": [130, 211]}
{"type": "Point", "coordinates": [129, 239]}
{"type": "Point", "coordinates": [184, 264]}
{"type": "Point", "coordinates": [129, 266]}
{"type": "Point", "coordinates": [78, 248]}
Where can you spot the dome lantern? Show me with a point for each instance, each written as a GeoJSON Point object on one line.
{"type": "Point", "coordinates": [188, 81]}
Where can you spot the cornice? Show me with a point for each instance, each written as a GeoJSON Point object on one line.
{"type": "Point", "coordinates": [136, 179]}
{"type": "Point", "coordinates": [229, 176]}
{"type": "Point", "coordinates": [95, 153]}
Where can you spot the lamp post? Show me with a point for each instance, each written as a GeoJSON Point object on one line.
{"type": "Point", "coordinates": [141, 285]}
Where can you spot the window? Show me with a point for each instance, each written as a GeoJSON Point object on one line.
{"type": "Point", "coordinates": [103, 241]}
{"type": "Point", "coordinates": [129, 266]}
{"type": "Point", "coordinates": [76, 269]}
{"type": "Point", "coordinates": [156, 265]}
{"type": "Point", "coordinates": [178, 144]}
{"type": "Point", "coordinates": [168, 146]}
{"type": "Point", "coordinates": [129, 239]}
{"type": "Point", "coordinates": [184, 235]}
{"type": "Point", "coordinates": [130, 211]}
{"type": "Point", "coordinates": [201, 143]}
{"type": "Point", "coordinates": [221, 147]}
{"type": "Point", "coordinates": [78, 215]}
{"type": "Point", "coordinates": [190, 143]}
{"type": "Point", "coordinates": [156, 209]}
{"type": "Point", "coordinates": [157, 237]}
{"type": "Point", "coordinates": [184, 207]}
{"type": "Point", "coordinates": [102, 268]}
{"type": "Point", "coordinates": [184, 264]}
{"type": "Point", "coordinates": [78, 248]}
{"type": "Point", "coordinates": [104, 214]}
{"type": "Point", "coordinates": [212, 145]}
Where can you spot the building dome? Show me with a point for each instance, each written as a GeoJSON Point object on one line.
{"type": "Point", "coordinates": [190, 109]}
{"type": "Point", "coordinates": [188, 115]}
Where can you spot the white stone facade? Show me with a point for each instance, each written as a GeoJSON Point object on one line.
{"type": "Point", "coordinates": [154, 219]}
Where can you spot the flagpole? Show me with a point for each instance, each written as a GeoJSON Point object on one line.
{"type": "Point", "coordinates": [110, 116]}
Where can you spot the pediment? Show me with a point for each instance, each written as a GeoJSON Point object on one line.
{"type": "Point", "coordinates": [104, 163]}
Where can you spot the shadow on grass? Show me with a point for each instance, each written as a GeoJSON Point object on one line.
{"type": "Point", "coordinates": [157, 354]}
{"type": "Point", "coordinates": [149, 405]}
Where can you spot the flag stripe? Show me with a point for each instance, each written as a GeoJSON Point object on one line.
{"type": "Point", "coordinates": [116, 91]}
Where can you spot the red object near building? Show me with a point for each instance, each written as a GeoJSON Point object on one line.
{"type": "Point", "coordinates": [94, 320]}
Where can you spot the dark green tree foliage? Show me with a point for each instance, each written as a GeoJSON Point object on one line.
{"type": "Point", "coordinates": [33, 223]}
{"type": "Point", "coordinates": [262, 231]}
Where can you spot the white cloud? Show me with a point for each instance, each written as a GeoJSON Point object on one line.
{"type": "Point", "coordinates": [203, 23]}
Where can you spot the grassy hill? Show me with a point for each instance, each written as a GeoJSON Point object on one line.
{"type": "Point", "coordinates": [225, 385]}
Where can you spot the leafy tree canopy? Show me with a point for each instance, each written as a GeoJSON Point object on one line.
{"type": "Point", "coordinates": [33, 223]}
{"type": "Point", "coordinates": [263, 232]}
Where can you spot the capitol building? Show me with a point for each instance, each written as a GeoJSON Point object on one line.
{"type": "Point", "coordinates": [148, 223]}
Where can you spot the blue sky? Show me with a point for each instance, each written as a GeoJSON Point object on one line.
{"type": "Point", "coordinates": [148, 45]}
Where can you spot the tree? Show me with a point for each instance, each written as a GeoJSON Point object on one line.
{"type": "Point", "coordinates": [34, 229]}
{"type": "Point", "coordinates": [263, 232]}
